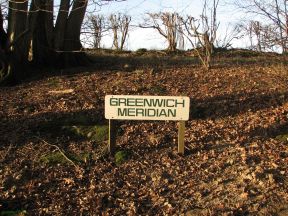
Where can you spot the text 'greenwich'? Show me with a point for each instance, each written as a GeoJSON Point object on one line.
{"type": "Point", "coordinates": [147, 102]}
{"type": "Point", "coordinates": [146, 107]}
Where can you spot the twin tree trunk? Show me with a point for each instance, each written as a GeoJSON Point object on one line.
{"type": "Point", "coordinates": [33, 36]}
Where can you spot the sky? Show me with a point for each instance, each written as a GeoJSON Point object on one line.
{"type": "Point", "coordinates": [149, 38]}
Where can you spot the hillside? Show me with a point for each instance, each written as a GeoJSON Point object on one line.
{"type": "Point", "coordinates": [53, 158]}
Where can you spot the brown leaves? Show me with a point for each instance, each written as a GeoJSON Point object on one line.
{"type": "Point", "coordinates": [233, 163]}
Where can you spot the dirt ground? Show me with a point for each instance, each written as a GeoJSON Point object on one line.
{"type": "Point", "coordinates": [53, 144]}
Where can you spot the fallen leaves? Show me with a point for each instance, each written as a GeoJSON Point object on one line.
{"type": "Point", "coordinates": [233, 163]}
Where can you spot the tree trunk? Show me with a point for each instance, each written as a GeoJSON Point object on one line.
{"type": "Point", "coordinates": [41, 26]}
{"type": "Point", "coordinates": [32, 36]}
{"type": "Point", "coordinates": [3, 49]}
{"type": "Point", "coordinates": [60, 26]}
{"type": "Point", "coordinates": [115, 27]}
{"type": "Point", "coordinates": [3, 34]}
{"type": "Point", "coordinates": [49, 25]}
{"type": "Point", "coordinates": [286, 25]}
{"type": "Point", "coordinates": [18, 44]}
{"type": "Point", "coordinates": [115, 39]}
{"type": "Point", "coordinates": [73, 55]}
{"type": "Point", "coordinates": [172, 46]}
{"type": "Point", "coordinates": [17, 28]}
{"type": "Point", "coordinates": [124, 28]}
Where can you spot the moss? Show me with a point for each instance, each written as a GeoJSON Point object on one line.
{"type": "Point", "coordinates": [13, 213]}
{"type": "Point", "coordinates": [98, 133]}
{"type": "Point", "coordinates": [53, 158]}
{"type": "Point", "coordinates": [80, 158]}
{"type": "Point", "coordinates": [58, 158]}
{"type": "Point", "coordinates": [101, 133]}
{"type": "Point", "coordinates": [282, 137]}
{"type": "Point", "coordinates": [54, 82]}
{"type": "Point", "coordinates": [121, 157]}
{"type": "Point", "coordinates": [141, 51]}
{"type": "Point", "coordinates": [139, 72]}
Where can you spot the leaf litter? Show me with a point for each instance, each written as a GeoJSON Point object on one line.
{"type": "Point", "coordinates": [235, 162]}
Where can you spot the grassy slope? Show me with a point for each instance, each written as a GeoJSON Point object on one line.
{"type": "Point", "coordinates": [233, 162]}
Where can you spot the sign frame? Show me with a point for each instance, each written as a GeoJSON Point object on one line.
{"type": "Point", "coordinates": [144, 107]}
{"type": "Point", "coordinates": [165, 104]}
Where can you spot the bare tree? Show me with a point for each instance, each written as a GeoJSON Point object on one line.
{"type": "Point", "coordinates": [256, 28]}
{"type": "Point", "coordinates": [273, 13]}
{"type": "Point", "coordinates": [204, 30]}
{"type": "Point", "coordinates": [180, 37]}
{"type": "Point", "coordinates": [168, 25]}
{"type": "Point", "coordinates": [34, 35]}
{"type": "Point", "coordinates": [233, 32]}
{"type": "Point", "coordinates": [268, 35]}
{"type": "Point", "coordinates": [254, 31]}
{"type": "Point", "coordinates": [96, 24]}
{"type": "Point", "coordinates": [119, 25]}
{"type": "Point", "coordinates": [262, 37]}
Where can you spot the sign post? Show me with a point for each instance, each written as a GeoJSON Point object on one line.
{"type": "Point", "coordinates": [181, 135]}
{"type": "Point", "coordinates": [138, 107]}
{"type": "Point", "coordinates": [112, 136]}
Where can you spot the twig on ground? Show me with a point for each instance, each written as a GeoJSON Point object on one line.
{"type": "Point", "coordinates": [58, 148]}
{"type": "Point", "coordinates": [6, 153]}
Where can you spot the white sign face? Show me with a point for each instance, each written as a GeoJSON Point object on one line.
{"type": "Point", "coordinates": [138, 107]}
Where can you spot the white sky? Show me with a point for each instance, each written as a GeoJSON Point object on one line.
{"type": "Point", "coordinates": [149, 38]}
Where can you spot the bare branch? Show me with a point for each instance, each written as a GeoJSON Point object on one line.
{"type": "Point", "coordinates": [167, 25]}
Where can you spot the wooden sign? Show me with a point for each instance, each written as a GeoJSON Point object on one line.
{"type": "Point", "coordinates": [132, 107]}
{"type": "Point", "coordinates": [138, 107]}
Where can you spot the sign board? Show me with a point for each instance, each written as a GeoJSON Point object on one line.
{"type": "Point", "coordinates": [138, 107]}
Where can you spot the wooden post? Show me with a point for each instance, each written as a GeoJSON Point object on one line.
{"type": "Point", "coordinates": [112, 136]}
{"type": "Point", "coordinates": [181, 135]}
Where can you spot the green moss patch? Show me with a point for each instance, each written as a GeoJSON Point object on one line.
{"type": "Point", "coordinates": [141, 51]}
{"type": "Point", "coordinates": [98, 133]}
{"type": "Point", "coordinates": [58, 158]}
{"type": "Point", "coordinates": [282, 137]}
{"type": "Point", "coordinates": [121, 157]}
{"type": "Point", "coordinates": [54, 82]}
{"type": "Point", "coordinates": [13, 213]}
